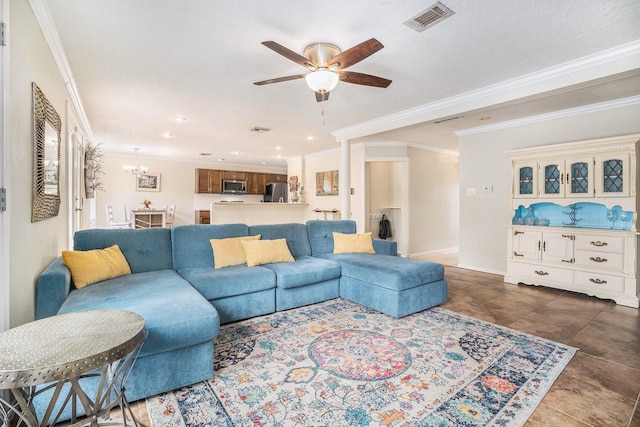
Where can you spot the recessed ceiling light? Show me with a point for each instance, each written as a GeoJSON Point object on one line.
{"type": "Point", "coordinates": [181, 119]}
{"type": "Point", "coordinates": [278, 148]}
{"type": "Point", "coordinates": [167, 134]}
{"type": "Point", "coordinates": [221, 160]}
{"type": "Point", "coordinates": [309, 138]}
{"type": "Point", "coordinates": [264, 163]}
{"type": "Point", "coordinates": [235, 153]}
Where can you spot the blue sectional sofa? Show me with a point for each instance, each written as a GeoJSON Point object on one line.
{"type": "Point", "coordinates": [183, 298]}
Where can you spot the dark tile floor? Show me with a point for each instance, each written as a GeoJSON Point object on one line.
{"type": "Point", "coordinates": [601, 384]}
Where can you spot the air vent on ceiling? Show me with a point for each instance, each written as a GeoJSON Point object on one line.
{"type": "Point", "coordinates": [429, 17]}
{"type": "Point", "coordinates": [259, 129]}
{"type": "Point", "coordinates": [448, 119]}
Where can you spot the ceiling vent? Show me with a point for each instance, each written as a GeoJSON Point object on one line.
{"type": "Point", "coordinates": [259, 129]}
{"type": "Point", "coordinates": [429, 17]}
{"type": "Point", "coordinates": [448, 119]}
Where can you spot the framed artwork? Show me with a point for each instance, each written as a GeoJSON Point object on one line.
{"type": "Point", "coordinates": [148, 182]}
{"type": "Point", "coordinates": [327, 183]}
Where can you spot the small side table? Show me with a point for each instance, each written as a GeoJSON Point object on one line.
{"type": "Point", "coordinates": [64, 349]}
{"type": "Point", "coordinates": [148, 218]}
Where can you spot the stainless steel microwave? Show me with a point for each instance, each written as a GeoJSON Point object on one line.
{"type": "Point", "coordinates": [230, 186]}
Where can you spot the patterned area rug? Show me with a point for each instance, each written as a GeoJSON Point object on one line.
{"type": "Point", "coordinates": [338, 363]}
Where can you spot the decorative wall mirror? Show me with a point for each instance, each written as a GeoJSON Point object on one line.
{"type": "Point", "coordinates": [47, 128]}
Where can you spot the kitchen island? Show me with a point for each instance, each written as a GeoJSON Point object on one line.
{"type": "Point", "coordinates": [254, 213]}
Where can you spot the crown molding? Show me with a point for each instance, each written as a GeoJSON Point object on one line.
{"type": "Point", "coordinates": [592, 108]}
{"type": "Point", "coordinates": [407, 145]}
{"type": "Point", "coordinates": [612, 61]}
{"type": "Point", "coordinates": [50, 32]}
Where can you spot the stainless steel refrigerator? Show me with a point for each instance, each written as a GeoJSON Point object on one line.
{"type": "Point", "coordinates": [276, 192]}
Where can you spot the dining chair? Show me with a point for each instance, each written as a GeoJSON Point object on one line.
{"type": "Point", "coordinates": [127, 214]}
{"type": "Point", "coordinates": [111, 223]}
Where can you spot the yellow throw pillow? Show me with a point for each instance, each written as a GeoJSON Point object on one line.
{"type": "Point", "coordinates": [229, 251]}
{"type": "Point", "coordinates": [93, 266]}
{"type": "Point", "coordinates": [266, 251]}
{"type": "Point", "coordinates": [352, 243]}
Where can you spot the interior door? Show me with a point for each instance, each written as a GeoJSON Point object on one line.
{"type": "Point", "coordinates": [4, 175]}
{"type": "Point", "coordinates": [75, 150]}
{"type": "Point", "coordinates": [78, 168]}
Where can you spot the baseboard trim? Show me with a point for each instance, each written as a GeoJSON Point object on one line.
{"type": "Point", "coordinates": [482, 270]}
{"type": "Point", "coordinates": [437, 251]}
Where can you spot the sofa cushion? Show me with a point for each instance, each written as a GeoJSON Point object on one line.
{"type": "Point", "coordinates": [352, 243]}
{"type": "Point", "coordinates": [146, 249]}
{"type": "Point", "coordinates": [296, 235]}
{"type": "Point", "coordinates": [176, 315]}
{"type": "Point", "coordinates": [321, 234]}
{"type": "Point", "coordinates": [229, 281]}
{"type": "Point", "coordinates": [229, 251]}
{"type": "Point", "coordinates": [93, 266]}
{"type": "Point", "coordinates": [261, 252]}
{"type": "Point", "coordinates": [305, 271]}
{"type": "Point", "coordinates": [388, 271]}
{"type": "Point", "coordinates": [192, 243]}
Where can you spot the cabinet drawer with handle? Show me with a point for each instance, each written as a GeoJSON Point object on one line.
{"type": "Point", "coordinates": [600, 260]}
{"type": "Point", "coordinates": [541, 273]}
{"type": "Point", "coordinates": [600, 243]}
{"type": "Point", "coordinates": [603, 282]}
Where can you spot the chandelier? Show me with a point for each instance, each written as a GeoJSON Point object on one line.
{"type": "Point", "coordinates": [135, 169]}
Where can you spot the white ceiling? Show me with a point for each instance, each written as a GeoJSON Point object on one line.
{"type": "Point", "coordinates": [139, 64]}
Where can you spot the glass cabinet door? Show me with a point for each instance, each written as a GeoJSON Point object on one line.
{"type": "Point", "coordinates": [552, 179]}
{"type": "Point", "coordinates": [579, 177]}
{"type": "Point", "coordinates": [612, 176]}
{"type": "Point", "coordinates": [525, 181]}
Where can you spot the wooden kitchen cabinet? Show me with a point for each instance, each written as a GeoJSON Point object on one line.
{"type": "Point", "coordinates": [256, 182]}
{"type": "Point", "coordinates": [203, 217]}
{"type": "Point", "coordinates": [235, 175]}
{"type": "Point", "coordinates": [208, 181]}
{"type": "Point", "coordinates": [275, 177]}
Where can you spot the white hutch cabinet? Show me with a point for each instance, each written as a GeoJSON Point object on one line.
{"type": "Point", "coordinates": [575, 212]}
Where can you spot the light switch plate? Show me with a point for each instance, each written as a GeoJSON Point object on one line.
{"type": "Point", "coordinates": [472, 191]}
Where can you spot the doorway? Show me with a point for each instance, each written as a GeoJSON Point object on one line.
{"type": "Point", "coordinates": [387, 193]}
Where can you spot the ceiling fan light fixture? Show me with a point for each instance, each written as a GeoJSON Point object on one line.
{"type": "Point", "coordinates": [322, 80]}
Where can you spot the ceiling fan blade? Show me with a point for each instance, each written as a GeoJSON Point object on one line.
{"type": "Point", "coordinates": [356, 54]}
{"type": "Point", "coordinates": [322, 96]}
{"type": "Point", "coordinates": [363, 79]}
{"type": "Point", "coordinates": [289, 54]}
{"type": "Point", "coordinates": [280, 79]}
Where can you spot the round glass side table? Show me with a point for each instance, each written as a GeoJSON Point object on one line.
{"type": "Point", "coordinates": [55, 356]}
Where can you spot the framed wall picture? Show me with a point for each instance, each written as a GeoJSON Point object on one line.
{"type": "Point", "coordinates": [148, 182]}
{"type": "Point", "coordinates": [327, 183]}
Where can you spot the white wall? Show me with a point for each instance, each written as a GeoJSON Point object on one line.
{"type": "Point", "coordinates": [434, 201]}
{"type": "Point", "coordinates": [484, 217]}
{"type": "Point", "coordinates": [31, 245]}
{"type": "Point", "coordinates": [177, 187]}
{"type": "Point", "coordinates": [321, 162]}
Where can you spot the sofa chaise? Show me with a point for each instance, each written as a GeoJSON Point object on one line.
{"type": "Point", "coordinates": [183, 298]}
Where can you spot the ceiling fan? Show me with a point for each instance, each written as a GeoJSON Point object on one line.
{"type": "Point", "coordinates": [327, 64]}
